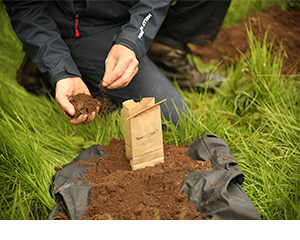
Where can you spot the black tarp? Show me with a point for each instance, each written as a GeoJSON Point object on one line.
{"type": "Point", "coordinates": [218, 192]}
{"type": "Point", "coordinates": [69, 185]}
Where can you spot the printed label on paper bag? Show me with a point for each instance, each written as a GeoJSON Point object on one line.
{"type": "Point", "coordinates": [143, 132]}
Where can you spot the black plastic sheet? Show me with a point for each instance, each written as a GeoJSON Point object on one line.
{"type": "Point", "coordinates": [70, 185]}
{"type": "Point", "coordinates": [218, 192]}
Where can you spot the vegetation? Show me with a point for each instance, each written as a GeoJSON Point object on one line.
{"type": "Point", "coordinates": [256, 112]}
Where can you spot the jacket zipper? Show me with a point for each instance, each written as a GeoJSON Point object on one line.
{"type": "Point", "coordinates": [77, 34]}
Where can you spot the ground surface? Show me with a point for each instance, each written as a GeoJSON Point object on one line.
{"type": "Point", "coordinates": [282, 26]}
{"type": "Point", "coordinates": [149, 193]}
{"type": "Point", "coordinates": [153, 192]}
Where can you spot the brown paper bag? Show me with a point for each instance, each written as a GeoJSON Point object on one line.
{"type": "Point", "coordinates": [143, 133]}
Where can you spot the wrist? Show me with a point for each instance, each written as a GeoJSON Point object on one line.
{"type": "Point", "coordinates": [62, 75]}
{"type": "Point", "coordinates": [131, 45]}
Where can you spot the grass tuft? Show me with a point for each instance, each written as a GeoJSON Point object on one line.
{"type": "Point", "coordinates": [256, 111]}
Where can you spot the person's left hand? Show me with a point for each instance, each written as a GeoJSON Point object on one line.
{"type": "Point", "coordinates": [67, 88]}
{"type": "Point", "coordinates": [121, 65]}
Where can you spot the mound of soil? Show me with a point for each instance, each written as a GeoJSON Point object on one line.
{"type": "Point", "coordinates": [143, 194]}
{"type": "Point", "coordinates": [282, 26]}
{"type": "Point", "coordinates": [153, 192]}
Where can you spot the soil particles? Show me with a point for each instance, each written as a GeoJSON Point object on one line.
{"type": "Point", "coordinates": [144, 194]}
{"type": "Point", "coordinates": [153, 192]}
{"type": "Point", "coordinates": [86, 104]}
{"type": "Point", "coordinates": [282, 26]}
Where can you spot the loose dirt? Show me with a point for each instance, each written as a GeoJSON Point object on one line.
{"type": "Point", "coordinates": [282, 26]}
{"type": "Point", "coordinates": [86, 104]}
{"type": "Point", "coordinates": [143, 194]}
{"type": "Point", "coordinates": [153, 192]}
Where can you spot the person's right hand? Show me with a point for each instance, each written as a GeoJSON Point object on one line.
{"type": "Point", "coordinates": [121, 65]}
{"type": "Point", "coordinates": [65, 89]}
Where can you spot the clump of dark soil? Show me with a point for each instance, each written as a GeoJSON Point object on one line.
{"type": "Point", "coordinates": [86, 104]}
{"type": "Point", "coordinates": [282, 26]}
{"type": "Point", "coordinates": [143, 194]}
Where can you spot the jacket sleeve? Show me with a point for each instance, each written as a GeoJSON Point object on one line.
{"type": "Point", "coordinates": [146, 19]}
{"type": "Point", "coordinates": [41, 39]}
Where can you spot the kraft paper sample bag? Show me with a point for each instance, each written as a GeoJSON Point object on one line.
{"type": "Point", "coordinates": [143, 132]}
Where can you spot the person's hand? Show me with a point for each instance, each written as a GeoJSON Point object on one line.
{"type": "Point", "coordinates": [121, 66]}
{"type": "Point", "coordinates": [65, 90]}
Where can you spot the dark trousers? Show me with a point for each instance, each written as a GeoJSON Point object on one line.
{"type": "Point", "coordinates": [196, 22]}
{"type": "Point", "coordinates": [90, 52]}
{"type": "Point", "coordinates": [186, 21]}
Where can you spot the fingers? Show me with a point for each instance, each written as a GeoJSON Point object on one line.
{"type": "Point", "coordinates": [91, 116]}
{"type": "Point", "coordinates": [63, 101]}
{"type": "Point", "coordinates": [81, 119]}
{"type": "Point", "coordinates": [123, 75]}
{"type": "Point", "coordinates": [121, 65]}
{"type": "Point", "coordinates": [85, 118]}
{"type": "Point", "coordinates": [109, 75]}
{"type": "Point", "coordinates": [65, 90]}
{"type": "Point", "coordinates": [66, 106]}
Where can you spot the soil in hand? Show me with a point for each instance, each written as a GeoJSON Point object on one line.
{"type": "Point", "coordinates": [86, 104]}
{"type": "Point", "coordinates": [143, 194]}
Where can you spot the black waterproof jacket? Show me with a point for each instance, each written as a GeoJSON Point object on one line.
{"type": "Point", "coordinates": [42, 26]}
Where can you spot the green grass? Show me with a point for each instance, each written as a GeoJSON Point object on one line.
{"type": "Point", "coordinates": [256, 112]}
